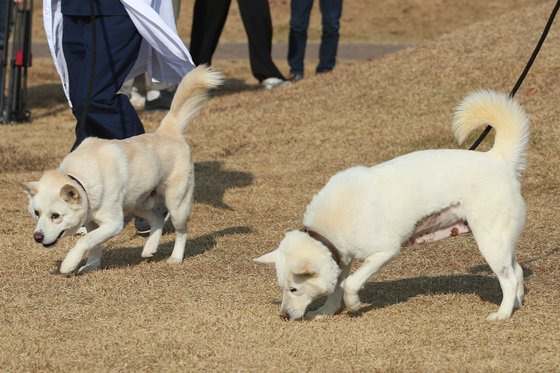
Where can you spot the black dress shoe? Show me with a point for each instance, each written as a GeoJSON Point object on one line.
{"type": "Point", "coordinates": [163, 102]}
{"type": "Point", "coordinates": [294, 77]}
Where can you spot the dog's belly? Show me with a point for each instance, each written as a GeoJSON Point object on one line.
{"type": "Point", "coordinates": [438, 225]}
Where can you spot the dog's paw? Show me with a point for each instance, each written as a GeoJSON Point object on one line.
{"type": "Point", "coordinates": [355, 307]}
{"type": "Point", "coordinates": [173, 260]}
{"type": "Point", "coordinates": [148, 253]}
{"type": "Point", "coordinates": [352, 301]}
{"type": "Point", "coordinates": [66, 269]}
{"type": "Point", "coordinates": [498, 316]}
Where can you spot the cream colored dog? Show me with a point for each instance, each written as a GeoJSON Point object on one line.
{"type": "Point", "coordinates": [370, 213]}
{"type": "Point", "coordinates": [103, 180]}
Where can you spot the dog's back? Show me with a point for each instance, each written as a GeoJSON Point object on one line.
{"type": "Point", "coordinates": [423, 182]}
{"type": "Point", "coordinates": [141, 165]}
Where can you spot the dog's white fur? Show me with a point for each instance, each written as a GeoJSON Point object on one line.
{"type": "Point", "coordinates": [370, 213]}
{"type": "Point", "coordinates": [118, 177]}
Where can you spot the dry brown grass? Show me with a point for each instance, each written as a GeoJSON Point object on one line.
{"type": "Point", "coordinates": [380, 21]}
{"type": "Point", "coordinates": [260, 158]}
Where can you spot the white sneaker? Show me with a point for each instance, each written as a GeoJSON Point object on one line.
{"type": "Point", "coordinates": [136, 99]}
{"type": "Point", "coordinates": [270, 83]}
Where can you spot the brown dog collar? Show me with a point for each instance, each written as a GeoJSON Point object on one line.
{"type": "Point", "coordinates": [78, 182]}
{"type": "Point", "coordinates": [328, 244]}
{"type": "Point", "coordinates": [85, 191]}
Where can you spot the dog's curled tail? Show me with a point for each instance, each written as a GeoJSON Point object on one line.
{"type": "Point", "coordinates": [191, 94]}
{"type": "Point", "coordinates": [501, 112]}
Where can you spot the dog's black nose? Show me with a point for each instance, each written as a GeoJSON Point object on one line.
{"type": "Point", "coordinates": [38, 236]}
{"type": "Point", "coordinates": [284, 315]}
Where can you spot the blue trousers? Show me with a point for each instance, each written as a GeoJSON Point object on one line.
{"type": "Point", "coordinates": [331, 11]}
{"type": "Point", "coordinates": [109, 115]}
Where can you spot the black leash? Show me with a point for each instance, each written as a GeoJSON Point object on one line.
{"type": "Point", "coordinates": [525, 71]}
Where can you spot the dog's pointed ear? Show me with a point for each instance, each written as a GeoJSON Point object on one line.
{"type": "Point", "coordinates": [70, 194]}
{"type": "Point", "coordinates": [30, 188]}
{"type": "Point", "coordinates": [305, 267]}
{"type": "Point", "coordinates": [269, 258]}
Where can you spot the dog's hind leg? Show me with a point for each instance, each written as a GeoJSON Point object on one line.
{"type": "Point", "coordinates": [520, 284]}
{"type": "Point", "coordinates": [156, 222]}
{"type": "Point", "coordinates": [371, 266]}
{"type": "Point", "coordinates": [334, 300]}
{"type": "Point", "coordinates": [501, 262]}
{"type": "Point", "coordinates": [496, 235]}
{"type": "Point", "coordinates": [179, 203]}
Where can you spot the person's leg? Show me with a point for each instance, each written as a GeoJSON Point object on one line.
{"type": "Point", "coordinates": [109, 115]}
{"type": "Point", "coordinates": [300, 11]}
{"type": "Point", "coordinates": [176, 8]}
{"type": "Point", "coordinates": [75, 54]}
{"type": "Point", "coordinates": [209, 17]}
{"type": "Point", "coordinates": [160, 95]}
{"type": "Point", "coordinates": [331, 11]}
{"type": "Point", "coordinates": [255, 15]}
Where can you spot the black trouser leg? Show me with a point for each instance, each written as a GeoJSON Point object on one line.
{"type": "Point", "coordinates": [209, 17]}
{"type": "Point", "coordinates": [109, 115]}
{"type": "Point", "coordinates": [258, 26]}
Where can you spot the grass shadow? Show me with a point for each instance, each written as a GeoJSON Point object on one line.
{"type": "Point", "coordinates": [485, 268]}
{"type": "Point", "coordinates": [232, 86]}
{"type": "Point", "coordinates": [130, 256]}
{"type": "Point", "coordinates": [212, 181]}
{"type": "Point", "coordinates": [376, 295]}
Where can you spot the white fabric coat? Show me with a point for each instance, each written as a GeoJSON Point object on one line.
{"type": "Point", "coordinates": [162, 53]}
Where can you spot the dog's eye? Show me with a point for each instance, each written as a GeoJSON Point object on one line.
{"type": "Point", "coordinates": [293, 290]}
{"type": "Point", "coordinates": [36, 213]}
{"type": "Point", "coordinates": [55, 216]}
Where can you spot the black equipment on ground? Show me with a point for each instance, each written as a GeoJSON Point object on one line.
{"type": "Point", "coordinates": [15, 58]}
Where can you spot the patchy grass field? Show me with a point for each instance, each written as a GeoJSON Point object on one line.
{"type": "Point", "coordinates": [379, 21]}
{"type": "Point", "coordinates": [260, 157]}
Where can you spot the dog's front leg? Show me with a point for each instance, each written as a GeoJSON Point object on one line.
{"type": "Point", "coordinates": [156, 229]}
{"type": "Point", "coordinates": [354, 283]}
{"type": "Point", "coordinates": [93, 261]}
{"type": "Point", "coordinates": [94, 256]}
{"type": "Point", "coordinates": [89, 242]}
{"type": "Point", "coordinates": [334, 300]}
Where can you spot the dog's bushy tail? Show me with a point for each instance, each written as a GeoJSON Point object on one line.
{"type": "Point", "coordinates": [191, 94]}
{"type": "Point", "coordinates": [501, 112]}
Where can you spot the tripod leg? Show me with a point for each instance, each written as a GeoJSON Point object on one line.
{"type": "Point", "coordinates": [5, 20]}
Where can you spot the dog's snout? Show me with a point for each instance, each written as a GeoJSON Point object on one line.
{"type": "Point", "coordinates": [38, 236]}
{"type": "Point", "coordinates": [284, 315]}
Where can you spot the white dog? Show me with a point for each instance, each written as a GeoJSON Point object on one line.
{"type": "Point", "coordinates": [102, 180]}
{"type": "Point", "coordinates": [370, 213]}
